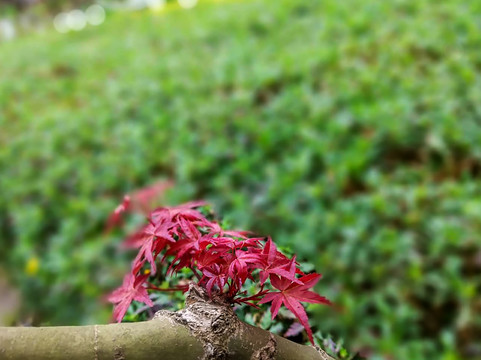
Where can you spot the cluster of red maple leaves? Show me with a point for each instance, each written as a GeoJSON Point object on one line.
{"type": "Point", "coordinates": [221, 261]}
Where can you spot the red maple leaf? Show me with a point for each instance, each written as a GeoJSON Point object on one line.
{"type": "Point", "coordinates": [239, 265]}
{"type": "Point", "coordinates": [277, 263]}
{"type": "Point", "coordinates": [143, 199]}
{"type": "Point", "coordinates": [130, 290]}
{"type": "Point", "coordinates": [216, 276]}
{"type": "Point", "coordinates": [138, 201]}
{"type": "Point", "coordinates": [115, 218]}
{"type": "Point", "coordinates": [154, 240]}
{"type": "Point", "coordinates": [185, 211]}
{"type": "Point", "coordinates": [216, 229]}
{"type": "Point", "coordinates": [291, 294]}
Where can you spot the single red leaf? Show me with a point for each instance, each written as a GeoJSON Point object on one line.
{"type": "Point", "coordinates": [131, 289]}
{"type": "Point", "coordinates": [115, 218]}
{"type": "Point", "coordinates": [291, 294]}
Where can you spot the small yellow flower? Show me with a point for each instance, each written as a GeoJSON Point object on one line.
{"type": "Point", "coordinates": [146, 271]}
{"type": "Point", "coordinates": [31, 268]}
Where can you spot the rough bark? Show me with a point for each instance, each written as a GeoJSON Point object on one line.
{"type": "Point", "coordinates": [203, 330]}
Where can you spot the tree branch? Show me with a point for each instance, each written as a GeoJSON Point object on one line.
{"type": "Point", "coordinates": [143, 340]}
{"type": "Point", "coordinates": [205, 329]}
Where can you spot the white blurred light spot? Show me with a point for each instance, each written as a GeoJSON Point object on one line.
{"type": "Point", "coordinates": [187, 4]}
{"type": "Point", "coordinates": [76, 20]}
{"type": "Point", "coordinates": [95, 15]}
{"type": "Point", "coordinates": [60, 23]}
{"type": "Point", "coordinates": [135, 4]}
{"type": "Point", "coordinates": [155, 5]}
{"type": "Point", "coordinates": [7, 29]}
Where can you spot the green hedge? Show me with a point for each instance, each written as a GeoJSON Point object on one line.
{"type": "Point", "coordinates": [350, 131]}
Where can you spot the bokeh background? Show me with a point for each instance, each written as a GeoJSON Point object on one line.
{"type": "Point", "coordinates": [348, 130]}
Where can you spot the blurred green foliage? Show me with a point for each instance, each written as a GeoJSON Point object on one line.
{"type": "Point", "coordinates": [350, 131]}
